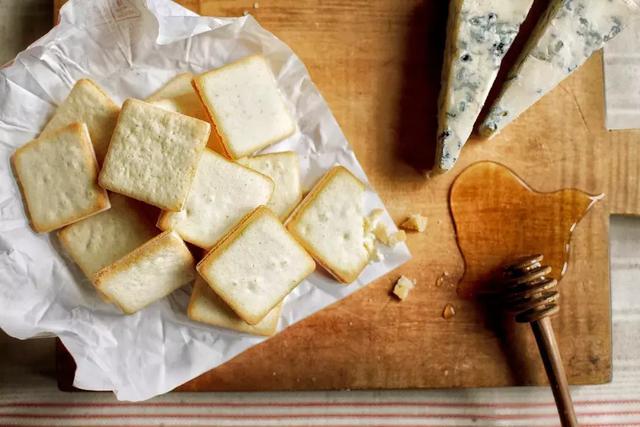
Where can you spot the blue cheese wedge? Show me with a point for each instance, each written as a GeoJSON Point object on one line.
{"type": "Point", "coordinates": [480, 34]}
{"type": "Point", "coordinates": [566, 36]}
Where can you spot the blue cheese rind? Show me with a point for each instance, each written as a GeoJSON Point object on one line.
{"type": "Point", "coordinates": [480, 34]}
{"type": "Point", "coordinates": [569, 32]}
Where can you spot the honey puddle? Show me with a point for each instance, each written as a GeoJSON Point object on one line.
{"type": "Point", "coordinates": [499, 218]}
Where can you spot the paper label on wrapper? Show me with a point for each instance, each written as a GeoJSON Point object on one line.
{"type": "Point", "coordinates": [130, 48]}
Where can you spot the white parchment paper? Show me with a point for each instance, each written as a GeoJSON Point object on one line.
{"type": "Point", "coordinates": [130, 48]}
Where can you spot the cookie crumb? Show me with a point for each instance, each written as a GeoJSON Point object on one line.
{"type": "Point", "coordinates": [376, 255]}
{"type": "Point", "coordinates": [372, 220]}
{"type": "Point", "coordinates": [370, 223]}
{"type": "Point", "coordinates": [415, 222]}
{"type": "Point", "coordinates": [397, 237]}
{"type": "Point", "coordinates": [389, 239]}
{"type": "Point", "coordinates": [403, 286]}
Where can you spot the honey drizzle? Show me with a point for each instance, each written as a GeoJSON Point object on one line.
{"type": "Point", "coordinates": [499, 218]}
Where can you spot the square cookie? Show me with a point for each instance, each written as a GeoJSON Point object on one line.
{"type": "Point", "coordinates": [207, 307]}
{"type": "Point", "coordinates": [179, 95]}
{"type": "Point", "coordinates": [176, 87]}
{"type": "Point", "coordinates": [102, 239]}
{"type": "Point", "coordinates": [284, 170]}
{"type": "Point", "coordinates": [223, 192]}
{"type": "Point", "coordinates": [245, 105]}
{"type": "Point", "coordinates": [87, 103]}
{"type": "Point", "coordinates": [255, 266]}
{"type": "Point", "coordinates": [329, 223]}
{"type": "Point", "coordinates": [148, 273]}
{"type": "Point", "coordinates": [57, 175]}
{"type": "Point", "coordinates": [153, 155]}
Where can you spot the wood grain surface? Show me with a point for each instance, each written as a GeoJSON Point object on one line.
{"type": "Point", "coordinates": [377, 63]}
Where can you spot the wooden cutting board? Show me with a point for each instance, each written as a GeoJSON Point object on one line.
{"type": "Point", "coordinates": [377, 63]}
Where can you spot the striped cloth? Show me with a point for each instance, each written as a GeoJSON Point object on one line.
{"type": "Point", "coordinates": [26, 399]}
{"type": "Point", "coordinates": [508, 407]}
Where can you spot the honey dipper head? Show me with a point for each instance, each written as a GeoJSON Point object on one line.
{"type": "Point", "coordinates": [528, 291]}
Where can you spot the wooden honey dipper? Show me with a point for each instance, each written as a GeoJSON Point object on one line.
{"type": "Point", "coordinates": [532, 295]}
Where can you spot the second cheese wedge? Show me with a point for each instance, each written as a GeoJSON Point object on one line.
{"type": "Point", "coordinates": [566, 36]}
{"type": "Point", "coordinates": [480, 32]}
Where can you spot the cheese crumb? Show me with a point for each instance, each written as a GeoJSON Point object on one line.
{"type": "Point", "coordinates": [402, 287]}
{"type": "Point", "coordinates": [390, 239]}
{"type": "Point", "coordinates": [369, 243]}
{"type": "Point", "coordinates": [371, 221]}
{"type": "Point", "coordinates": [372, 249]}
{"type": "Point", "coordinates": [381, 232]}
{"type": "Point", "coordinates": [376, 255]}
{"type": "Point", "coordinates": [415, 222]}
{"type": "Point", "coordinates": [397, 237]}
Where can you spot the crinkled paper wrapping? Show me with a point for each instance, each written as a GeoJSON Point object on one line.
{"type": "Point", "coordinates": [131, 48]}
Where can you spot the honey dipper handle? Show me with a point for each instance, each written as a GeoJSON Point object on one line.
{"type": "Point", "coordinates": [550, 354]}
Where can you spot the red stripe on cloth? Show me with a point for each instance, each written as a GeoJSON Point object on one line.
{"type": "Point", "coordinates": [286, 416]}
{"type": "Point", "coordinates": [608, 425]}
{"type": "Point", "coordinates": [336, 425]}
{"type": "Point", "coordinates": [434, 404]}
{"type": "Point", "coordinates": [311, 415]}
{"type": "Point", "coordinates": [244, 425]}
